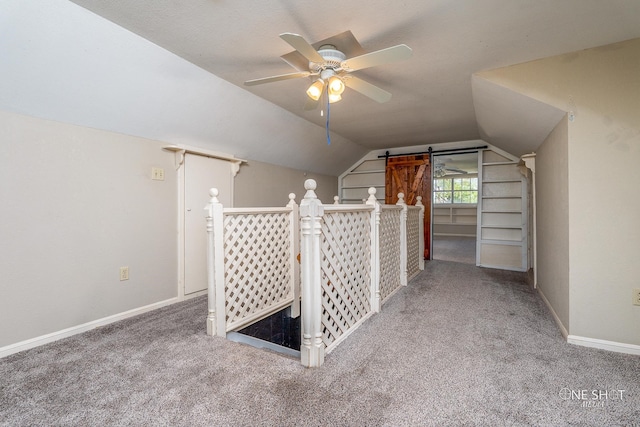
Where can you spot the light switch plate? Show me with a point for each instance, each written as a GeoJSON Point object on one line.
{"type": "Point", "coordinates": [124, 273]}
{"type": "Point", "coordinates": [157, 174]}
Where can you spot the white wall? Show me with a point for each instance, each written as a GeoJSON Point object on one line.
{"type": "Point", "coordinates": [78, 201]}
{"type": "Point", "coordinates": [262, 184]}
{"type": "Point", "coordinates": [552, 198]}
{"type": "Point", "coordinates": [600, 88]}
{"type": "Point", "coordinates": [62, 62]}
{"type": "Point", "coordinates": [77, 204]}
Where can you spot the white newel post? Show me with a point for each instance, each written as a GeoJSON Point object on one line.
{"type": "Point", "coordinates": [336, 200]}
{"type": "Point", "coordinates": [375, 250]}
{"type": "Point", "coordinates": [420, 233]}
{"type": "Point", "coordinates": [311, 212]}
{"type": "Point", "coordinates": [403, 240]}
{"type": "Point", "coordinates": [294, 232]}
{"type": "Point", "coordinates": [216, 318]}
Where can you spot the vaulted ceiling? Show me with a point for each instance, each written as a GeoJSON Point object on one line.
{"type": "Point", "coordinates": [433, 99]}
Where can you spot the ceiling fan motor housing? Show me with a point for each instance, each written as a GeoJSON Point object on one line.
{"type": "Point", "coordinates": [333, 59]}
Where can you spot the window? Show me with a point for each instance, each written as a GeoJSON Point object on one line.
{"type": "Point", "coordinates": [455, 190]}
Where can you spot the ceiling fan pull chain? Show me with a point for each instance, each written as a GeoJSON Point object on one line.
{"type": "Point", "coordinates": [328, 135]}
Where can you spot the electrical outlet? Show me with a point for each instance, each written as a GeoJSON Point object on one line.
{"type": "Point", "coordinates": [124, 273]}
{"type": "Point", "coordinates": [636, 297]}
{"type": "Point", "coordinates": [157, 174]}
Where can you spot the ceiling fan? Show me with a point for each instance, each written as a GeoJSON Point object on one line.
{"type": "Point", "coordinates": [330, 68]}
{"type": "Point", "coordinates": [440, 169]}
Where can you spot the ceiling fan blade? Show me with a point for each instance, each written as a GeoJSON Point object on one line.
{"type": "Point", "coordinates": [379, 57]}
{"type": "Point", "coordinates": [456, 170]}
{"type": "Point", "coordinates": [367, 89]}
{"type": "Point", "coordinates": [277, 78]}
{"type": "Point", "coordinates": [301, 45]}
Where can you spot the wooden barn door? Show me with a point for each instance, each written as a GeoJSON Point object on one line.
{"type": "Point", "coordinates": [411, 175]}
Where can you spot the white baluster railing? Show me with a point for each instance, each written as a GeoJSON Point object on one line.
{"type": "Point", "coordinates": [253, 270]}
{"type": "Point", "coordinates": [348, 271]}
{"type": "Point", "coordinates": [312, 348]}
{"type": "Point", "coordinates": [415, 238]}
{"type": "Point", "coordinates": [375, 250]}
{"type": "Point", "coordinates": [216, 318]}
{"type": "Point", "coordinates": [390, 251]}
{"type": "Point", "coordinates": [403, 239]}
{"type": "Point", "coordinates": [342, 262]}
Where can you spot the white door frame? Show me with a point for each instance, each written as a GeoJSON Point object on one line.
{"type": "Point", "coordinates": [180, 152]}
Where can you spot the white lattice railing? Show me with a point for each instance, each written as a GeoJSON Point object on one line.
{"type": "Point", "coordinates": [253, 271]}
{"type": "Point", "coordinates": [390, 259]}
{"type": "Point", "coordinates": [351, 259]}
{"type": "Point", "coordinates": [415, 239]}
{"type": "Point", "coordinates": [346, 270]}
{"type": "Point", "coordinates": [339, 267]}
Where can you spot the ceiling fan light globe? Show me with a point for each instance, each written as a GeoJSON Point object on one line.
{"type": "Point", "coordinates": [336, 86]}
{"type": "Point", "coordinates": [334, 98]}
{"type": "Point", "coordinates": [315, 90]}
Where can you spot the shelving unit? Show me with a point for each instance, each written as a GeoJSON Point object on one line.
{"type": "Point", "coordinates": [354, 185]}
{"type": "Point", "coordinates": [455, 220]}
{"type": "Point", "coordinates": [502, 227]}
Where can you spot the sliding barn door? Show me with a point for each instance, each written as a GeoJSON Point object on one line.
{"type": "Point", "coordinates": [411, 175]}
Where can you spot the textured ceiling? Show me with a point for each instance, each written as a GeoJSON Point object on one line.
{"type": "Point", "coordinates": [432, 98]}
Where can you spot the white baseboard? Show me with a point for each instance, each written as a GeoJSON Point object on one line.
{"type": "Point", "coordinates": [54, 336]}
{"type": "Point", "coordinates": [617, 347]}
{"type": "Point", "coordinates": [193, 295]}
{"type": "Point", "coordinates": [563, 330]}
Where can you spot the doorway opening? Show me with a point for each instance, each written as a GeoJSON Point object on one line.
{"type": "Point", "coordinates": [455, 207]}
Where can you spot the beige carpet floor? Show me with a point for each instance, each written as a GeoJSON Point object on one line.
{"type": "Point", "coordinates": [454, 248]}
{"type": "Point", "coordinates": [459, 346]}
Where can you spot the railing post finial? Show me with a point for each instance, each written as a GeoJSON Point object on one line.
{"type": "Point", "coordinates": [292, 199]}
{"type": "Point", "coordinates": [372, 193]}
{"type": "Point", "coordinates": [310, 185]}
{"type": "Point", "coordinates": [213, 192]}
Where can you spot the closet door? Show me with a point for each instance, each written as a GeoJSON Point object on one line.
{"type": "Point", "coordinates": [200, 174]}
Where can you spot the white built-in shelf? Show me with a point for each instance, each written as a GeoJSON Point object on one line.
{"type": "Point", "coordinates": [203, 152]}
{"type": "Point", "coordinates": [503, 242]}
{"type": "Point", "coordinates": [499, 163]}
{"type": "Point", "coordinates": [494, 181]}
{"type": "Point", "coordinates": [455, 219]}
{"type": "Point", "coordinates": [502, 197]}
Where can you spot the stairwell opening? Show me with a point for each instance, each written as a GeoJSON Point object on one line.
{"type": "Point", "coordinates": [278, 332]}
